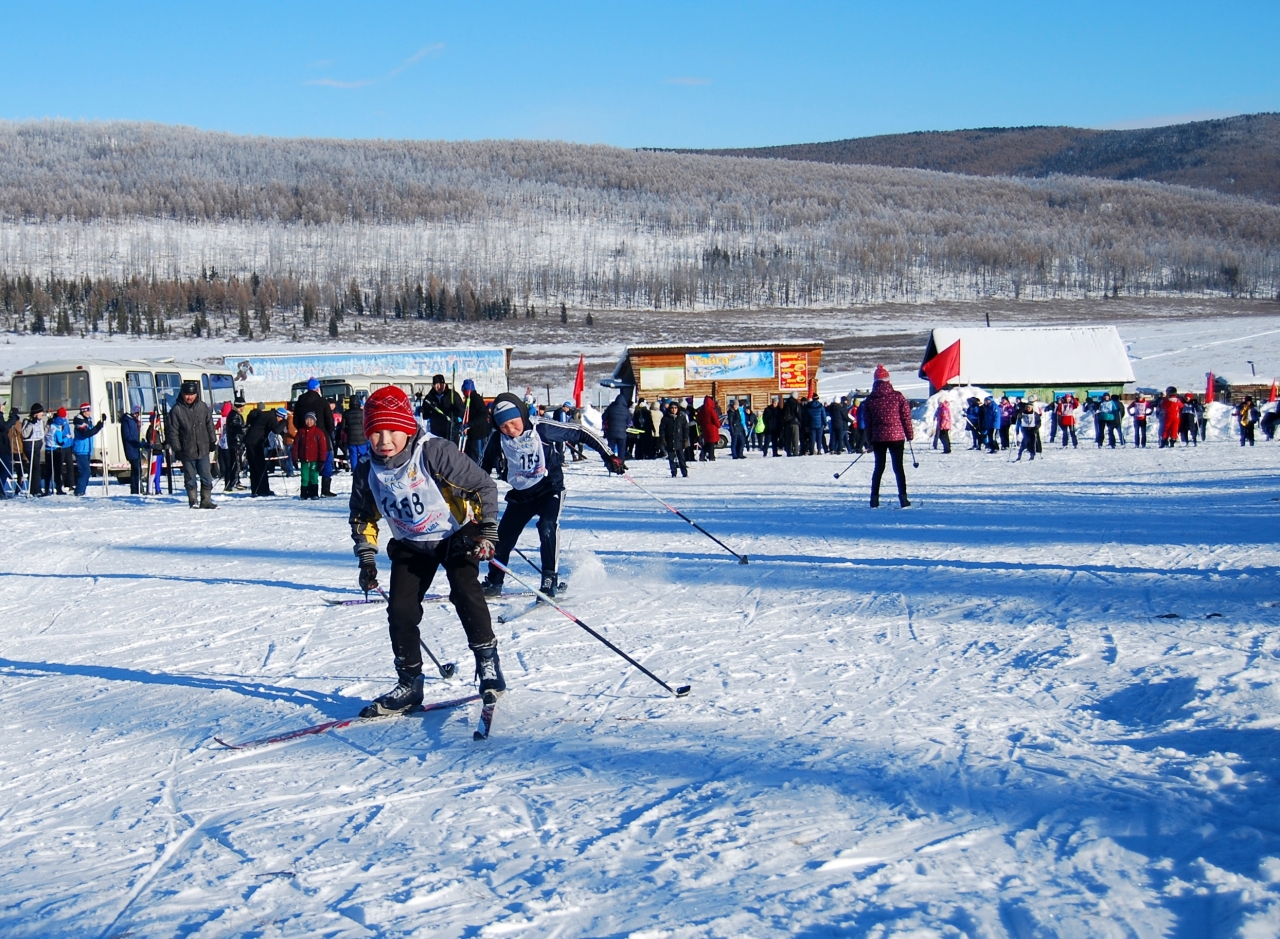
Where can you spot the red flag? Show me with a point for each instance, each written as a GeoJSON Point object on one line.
{"type": "Point", "coordinates": [1208, 391]}
{"type": "Point", "coordinates": [1275, 390]}
{"type": "Point", "coordinates": [942, 367]}
{"type": "Point", "coordinates": [580, 382]}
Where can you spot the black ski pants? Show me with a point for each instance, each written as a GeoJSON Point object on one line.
{"type": "Point", "coordinates": [1139, 433]}
{"type": "Point", "coordinates": [412, 570]}
{"type": "Point", "coordinates": [514, 519]}
{"type": "Point", "coordinates": [894, 449]}
{"type": "Point", "coordinates": [676, 459]}
{"type": "Point", "coordinates": [259, 484]}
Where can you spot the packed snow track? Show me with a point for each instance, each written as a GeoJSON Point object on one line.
{"type": "Point", "coordinates": [1040, 702]}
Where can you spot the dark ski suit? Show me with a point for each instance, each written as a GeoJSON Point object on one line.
{"type": "Point", "coordinates": [536, 474]}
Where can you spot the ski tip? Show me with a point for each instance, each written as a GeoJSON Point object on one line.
{"type": "Point", "coordinates": [479, 736]}
{"type": "Point", "coordinates": [229, 746]}
{"type": "Point", "coordinates": [683, 691]}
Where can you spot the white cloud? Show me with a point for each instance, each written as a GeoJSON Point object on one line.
{"type": "Point", "coordinates": [429, 51]}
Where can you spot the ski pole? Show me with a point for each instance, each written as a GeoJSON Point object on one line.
{"type": "Point", "coordinates": [678, 692]}
{"type": "Point", "coordinates": [850, 466]}
{"type": "Point", "coordinates": [914, 461]}
{"type": "Point", "coordinates": [527, 561]}
{"type": "Point", "coordinates": [448, 669]}
{"type": "Point", "coordinates": [742, 558]}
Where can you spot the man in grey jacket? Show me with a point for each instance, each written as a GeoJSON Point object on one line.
{"type": "Point", "coordinates": [191, 437]}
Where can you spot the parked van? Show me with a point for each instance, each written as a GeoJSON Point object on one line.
{"type": "Point", "coordinates": [113, 388]}
{"type": "Point", "coordinates": [340, 388]}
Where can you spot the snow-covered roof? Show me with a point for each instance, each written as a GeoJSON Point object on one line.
{"type": "Point", "coordinates": [1036, 355]}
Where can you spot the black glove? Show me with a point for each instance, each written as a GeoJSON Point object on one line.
{"type": "Point", "coordinates": [615, 464]}
{"type": "Point", "coordinates": [367, 552]}
{"type": "Point", "coordinates": [484, 540]}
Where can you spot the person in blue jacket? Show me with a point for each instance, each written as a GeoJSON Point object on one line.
{"type": "Point", "coordinates": [57, 446]}
{"type": "Point", "coordinates": [815, 416]}
{"type": "Point", "coordinates": [82, 446]}
{"type": "Point", "coordinates": [131, 437]}
{"type": "Point", "coordinates": [991, 424]}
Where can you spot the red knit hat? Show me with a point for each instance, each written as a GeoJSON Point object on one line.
{"type": "Point", "coordinates": [882, 373]}
{"type": "Point", "coordinates": [62, 412]}
{"type": "Point", "coordinates": [389, 409]}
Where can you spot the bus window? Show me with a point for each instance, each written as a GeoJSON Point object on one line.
{"type": "Point", "coordinates": [142, 391]}
{"type": "Point", "coordinates": [221, 390]}
{"type": "Point", "coordinates": [335, 391]}
{"type": "Point", "coordinates": [28, 390]}
{"type": "Point", "coordinates": [296, 391]}
{"type": "Point", "coordinates": [375, 385]}
{"type": "Point", "coordinates": [167, 385]}
{"type": "Point", "coordinates": [65, 390]}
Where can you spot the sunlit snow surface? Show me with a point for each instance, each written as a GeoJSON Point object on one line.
{"type": "Point", "coordinates": [968, 718]}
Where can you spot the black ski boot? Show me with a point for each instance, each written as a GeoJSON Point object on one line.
{"type": "Point", "coordinates": [206, 497]}
{"type": "Point", "coordinates": [549, 582]}
{"type": "Point", "coordinates": [406, 695]}
{"type": "Point", "coordinates": [325, 490]}
{"type": "Point", "coordinates": [489, 672]}
{"type": "Point", "coordinates": [490, 589]}
{"type": "Point", "coordinates": [192, 499]}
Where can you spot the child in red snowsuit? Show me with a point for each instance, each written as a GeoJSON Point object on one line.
{"type": "Point", "coordinates": [310, 450]}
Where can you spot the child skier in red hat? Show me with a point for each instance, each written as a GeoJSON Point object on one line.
{"type": "Point", "coordinates": [442, 510]}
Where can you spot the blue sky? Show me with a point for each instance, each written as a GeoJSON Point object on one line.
{"type": "Point", "coordinates": [637, 74]}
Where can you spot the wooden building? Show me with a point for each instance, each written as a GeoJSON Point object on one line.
{"type": "Point", "coordinates": [755, 371]}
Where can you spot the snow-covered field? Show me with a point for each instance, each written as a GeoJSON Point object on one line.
{"type": "Point", "coordinates": [1040, 702]}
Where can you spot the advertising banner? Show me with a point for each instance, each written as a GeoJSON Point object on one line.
{"type": "Point", "coordinates": [486, 367]}
{"type": "Point", "coordinates": [728, 366]}
{"type": "Point", "coordinates": [661, 379]}
{"type": "Point", "coordinates": [793, 371]}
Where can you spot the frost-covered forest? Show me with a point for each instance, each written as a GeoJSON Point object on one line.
{"type": "Point", "coordinates": [159, 221]}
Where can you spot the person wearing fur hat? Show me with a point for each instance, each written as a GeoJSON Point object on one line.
{"type": "Point", "coordinates": [442, 512]}
{"type": "Point", "coordinates": [442, 409]}
{"type": "Point", "coordinates": [888, 420]}
{"type": "Point", "coordinates": [519, 450]}
{"type": "Point", "coordinates": [189, 432]}
{"type": "Point", "coordinates": [310, 448]}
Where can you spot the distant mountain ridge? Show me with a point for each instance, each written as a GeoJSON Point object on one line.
{"type": "Point", "coordinates": [1235, 155]}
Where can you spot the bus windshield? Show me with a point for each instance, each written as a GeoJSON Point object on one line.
{"type": "Point", "coordinates": [221, 390]}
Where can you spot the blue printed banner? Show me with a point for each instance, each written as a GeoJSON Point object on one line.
{"type": "Point", "coordinates": [723, 366]}
{"type": "Point", "coordinates": [486, 367]}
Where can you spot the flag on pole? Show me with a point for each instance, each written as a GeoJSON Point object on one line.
{"type": "Point", "coordinates": [1275, 390]}
{"type": "Point", "coordinates": [1208, 391]}
{"type": "Point", "coordinates": [580, 381]}
{"type": "Point", "coordinates": [942, 367]}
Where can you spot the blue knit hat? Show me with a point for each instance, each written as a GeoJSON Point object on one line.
{"type": "Point", "coordinates": [505, 411]}
{"type": "Point", "coordinates": [468, 386]}
{"type": "Point", "coordinates": [313, 384]}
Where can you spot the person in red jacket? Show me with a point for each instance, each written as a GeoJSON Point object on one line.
{"type": "Point", "coordinates": [888, 420]}
{"type": "Point", "coordinates": [310, 450]}
{"type": "Point", "coordinates": [1171, 408]}
{"type": "Point", "coordinates": [709, 427]}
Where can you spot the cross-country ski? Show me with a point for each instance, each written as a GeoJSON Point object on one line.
{"type": "Point", "coordinates": [316, 729]}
